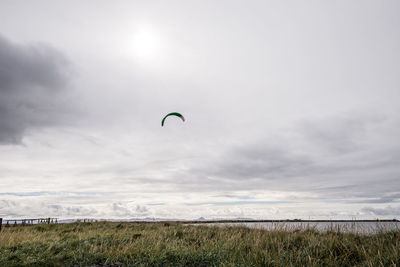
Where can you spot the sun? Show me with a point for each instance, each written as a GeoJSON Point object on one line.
{"type": "Point", "coordinates": [146, 44]}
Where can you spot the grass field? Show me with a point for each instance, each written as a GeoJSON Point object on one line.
{"type": "Point", "coordinates": [171, 244]}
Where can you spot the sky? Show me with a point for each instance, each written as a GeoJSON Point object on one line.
{"type": "Point", "coordinates": [292, 109]}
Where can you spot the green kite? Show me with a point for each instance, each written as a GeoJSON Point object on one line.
{"type": "Point", "coordinates": [172, 114]}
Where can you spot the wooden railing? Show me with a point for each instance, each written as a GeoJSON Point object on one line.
{"type": "Point", "coordinates": [26, 222]}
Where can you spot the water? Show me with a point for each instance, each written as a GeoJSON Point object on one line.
{"type": "Point", "coordinates": [346, 227]}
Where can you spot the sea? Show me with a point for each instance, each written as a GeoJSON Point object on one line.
{"type": "Point", "coordinates": [343, 227]}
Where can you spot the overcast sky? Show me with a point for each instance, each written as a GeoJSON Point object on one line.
{"type": "Point", "coordinates": [292, 109]}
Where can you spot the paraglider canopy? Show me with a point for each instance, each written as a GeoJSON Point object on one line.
{"type": "Point", "coordinates": [172, 114]}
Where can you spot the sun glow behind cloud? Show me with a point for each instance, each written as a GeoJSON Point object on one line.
{"type": "Point", "coordinates": [146, 44]}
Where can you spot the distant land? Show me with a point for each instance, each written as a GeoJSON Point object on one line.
{"type": "Point", "coordinates": [236, 220]}
{"type": "Point", "coordinates": [203, 220]}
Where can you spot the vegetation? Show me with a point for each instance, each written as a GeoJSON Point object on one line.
{"type": "Point", "coordinates": [173, 244]}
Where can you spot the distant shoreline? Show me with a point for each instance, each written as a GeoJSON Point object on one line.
{"type": "Point", "coordinates": [280, 221]}
{"type": "Point", "coordinates": [19, 221]}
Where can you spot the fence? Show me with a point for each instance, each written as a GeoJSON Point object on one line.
{"type": "Point", "coordinates": [27, 222]}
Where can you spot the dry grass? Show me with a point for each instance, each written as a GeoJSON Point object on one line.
{"type": "Point", "coordinates": [133, 244]}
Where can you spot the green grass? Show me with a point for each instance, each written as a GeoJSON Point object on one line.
{"type": "Point", "coordinates": [134, 244]}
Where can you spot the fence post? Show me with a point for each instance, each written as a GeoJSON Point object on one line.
{"type": "Point", "coordinates": [1, 223]}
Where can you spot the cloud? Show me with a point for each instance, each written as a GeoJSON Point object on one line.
{"type": "Point", "coordinates": [339, 134]}
{"type": "Point", "coordinates": [33, 81]}
{"type": "Point", "coordinates": [34, 208]}
{"type": "Point", "coordinates": [121, 210]}
{"type": "Point", "coordinates": [389, 210]}
{"type": "Point", "coordinates": [301, 118]}
{"type": "Point", "coordinates": [389, 198]}
{"type": "Point", "coordinates": [71, 211]}
{"type": "Point", "coordinates": [263, 161]}
{"type": "Point", "coordinates": [338, 157]}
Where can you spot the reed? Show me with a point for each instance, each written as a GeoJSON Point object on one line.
{"type": "Point", "coordinates": [174, 244]}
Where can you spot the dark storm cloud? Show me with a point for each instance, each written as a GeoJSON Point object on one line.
{"type": "Point", "coordinates": [33, 80]}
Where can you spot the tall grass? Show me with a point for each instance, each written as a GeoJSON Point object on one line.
{"type": "Point", "coordinates": [170, 244]}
